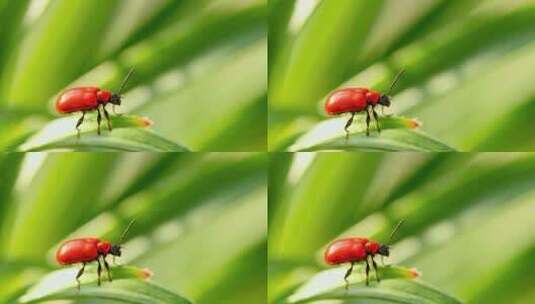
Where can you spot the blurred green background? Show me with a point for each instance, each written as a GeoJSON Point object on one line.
{"type": "Point", "coordinates": [200, 218]}
{"type": "Point", "coordinates": [469, 218]}
{"type": "Point", "coordinates": [200, 65]}
{"type": "Point", "coordinates": [469, 65]}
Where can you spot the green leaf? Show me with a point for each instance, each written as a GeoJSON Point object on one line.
{"type": "Point", "coordinates": [234, 237]}
{"type": "Point", "coordinates": [319, 57]}
{"type": "Point", "coordinates": [10, 164]}
{"type": "Point", "coordinates": [15, 277]}
{"type": "Point", "coordinates": [127, 135]}
{"type": "Point", "coordinates": [236, 101]}
{"type": "Point", "coordinates": [65, 35]}
{"type": "Point", "coordinates": [55, 189]}
{"type": "Point", "coordinates": [397, 135]}
{"type": "Point", "coordinates": [484, 90]}
{"type": "Point", "coordinates": [183, 190]}
{"type": "Point", "coordinates": [11, 14]}
{"type": "Point", "coordinates": [329, 285]}
{"type": "Point", "coordinates": [304, 220]}
{"type": "Point", "coordinates": [128, 287]}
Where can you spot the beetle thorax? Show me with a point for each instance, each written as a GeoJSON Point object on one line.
{"type": "Point", "coordinates": [104, 96]}
{"type": "Point", "coordinates": [104, 247]}
{"type": "Point", "coordinates": [372, 97]}
{"type": "Point", "coordinates": [372, 247]}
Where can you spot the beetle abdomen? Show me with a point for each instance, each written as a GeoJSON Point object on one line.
{"type": "Point", "coordinates": [77, 99]}
{"type": "Point", "coordinates": [77, 251]}
{"type": "Point", "coordinates": [345, 250]}
{"type": "Point", "coordinates": [346, 100]}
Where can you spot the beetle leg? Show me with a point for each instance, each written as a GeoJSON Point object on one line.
{"type": "Point", "coordinates": [376, 272]}
{"type": "Point", "coordinates": [368, 118]}
{"type": "Point", "coordinates": [99, 118]}
{"type": "Point", "coordinates": [348, 124]}
{"type": "Point", "coordinates": [107, 117]}
{"type": "Point", "coordinates": [107, 268]}
{"type": "Point", "coordinates": [348, 273]}
{"type": "Point", "coordinates": [99, 271]}
{"type": "Point", "coordinates": [376, 117]}
{"type": "Point", "coordinates": [78, 125]}
{"type": "Point", "coordinates": [367, 272]}
{"type": "Point", "coordinates": [80, 272]}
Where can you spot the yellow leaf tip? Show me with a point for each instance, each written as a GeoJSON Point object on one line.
{"type": "Point", "coordinates": [414, 123]}
{"type": "Point", "coordinates": [414, 273]}
{"type": "Point", "coordinates": [146, 122]}
{"type": "Point", "coordinates": [146, 273]}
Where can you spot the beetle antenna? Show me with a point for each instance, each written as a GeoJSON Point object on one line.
{"type": "Point", "coordinates": [394, 232]}
{"type": "Point", "coordinates": [121, 88]}
{"type": "Point", "coordinates": [126, 231]}
{"type": "Point", "coordinates": [395, 81]}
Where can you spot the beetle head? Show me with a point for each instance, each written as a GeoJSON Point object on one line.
{"type": "Point", "coordinates": [115, 250]}
{"type": "Point", "coordinates": [384, 100]}
{"type": "Point", "coordinates": [115, 99]}
{"type": "Point", "coordinates": [384, 250]}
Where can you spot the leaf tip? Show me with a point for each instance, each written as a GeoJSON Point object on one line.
{"type": "Point", "coordinates": [145, 122]}
{"type": "Point", "coordinates": [414, 123]}
{"type": "Point", "coordinates": [414, 273]}
{"type": "Point", "coordinates": [146, 273]}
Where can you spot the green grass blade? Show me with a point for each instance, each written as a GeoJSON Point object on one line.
{"type": "Point", "coordinates": [512, 132]}
{"type": "Point", "coordinates": [320, 54]}
{"type": "Point", "coordinates": [232, 288]}
{"type": "Point", "coordinates": [227, 235]}
{"type": "Point", "coordinates": [57, 195]}
{"type": "Point", "coordinates": [397, 136]}
{"type": "Point", "coordinates": [470, 186]}
{"type": "Point", "coordinates": [16, 277]}
{"type": "Point", "coordinates": [329, 285]}
{"type": "Point", "coordinates": [506, 282]}
{"type": "Point", "coordinates": [464, 128]}
{"type": "Point", "coordinates": [244, 79]}
{"type": "Point", "coordinates": [127, 135]}
{"type": "Point", "coordinates": [10, 164]}
{"type": "Point", "coordinates": [181, 44]}
{"type": "Point", "coordinates": [508, 225]}
{"type": "Point", "coordinates": [393, 291]}
{"type": "Point", "coordinates": [304, 222]}
{"type": "Point", "coordinates": [58, 49]}
{"type": "Point", "coordinates": [11, 14]}
{"type": "Point", "coordinates": [163, 16]}
{"type": "Point", "coordinates": [128, 287]}
{"type": "Point", "coordinates": [442, 13]}
{"type": "Point", "coordinates": [15, 130]}
{"type": "Point", "coordinates": [279, 17]}
{"type": "Point", "coordinates": [152, 170]}
{"type": "Point", "coordinates": [183, 191]}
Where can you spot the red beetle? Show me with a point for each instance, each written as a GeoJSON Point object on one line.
{"type": "Point", "coordinates": [85, 99]}
{"type": "Point", "coordinates": [355, 100]}
{"type": "Point", "coordinates": [357, 249]}
{"type": "Point", "coordinates": [87, 250]}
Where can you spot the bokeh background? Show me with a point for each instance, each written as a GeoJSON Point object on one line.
{"type": "Point", "coordinates": [469, 65]}
{"type": "Point", "coordinates": [200, 218]}
{"type": "Point", "coordinates": [469, 218]}
{"type": "Point", "coordinates": [200, 65]}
